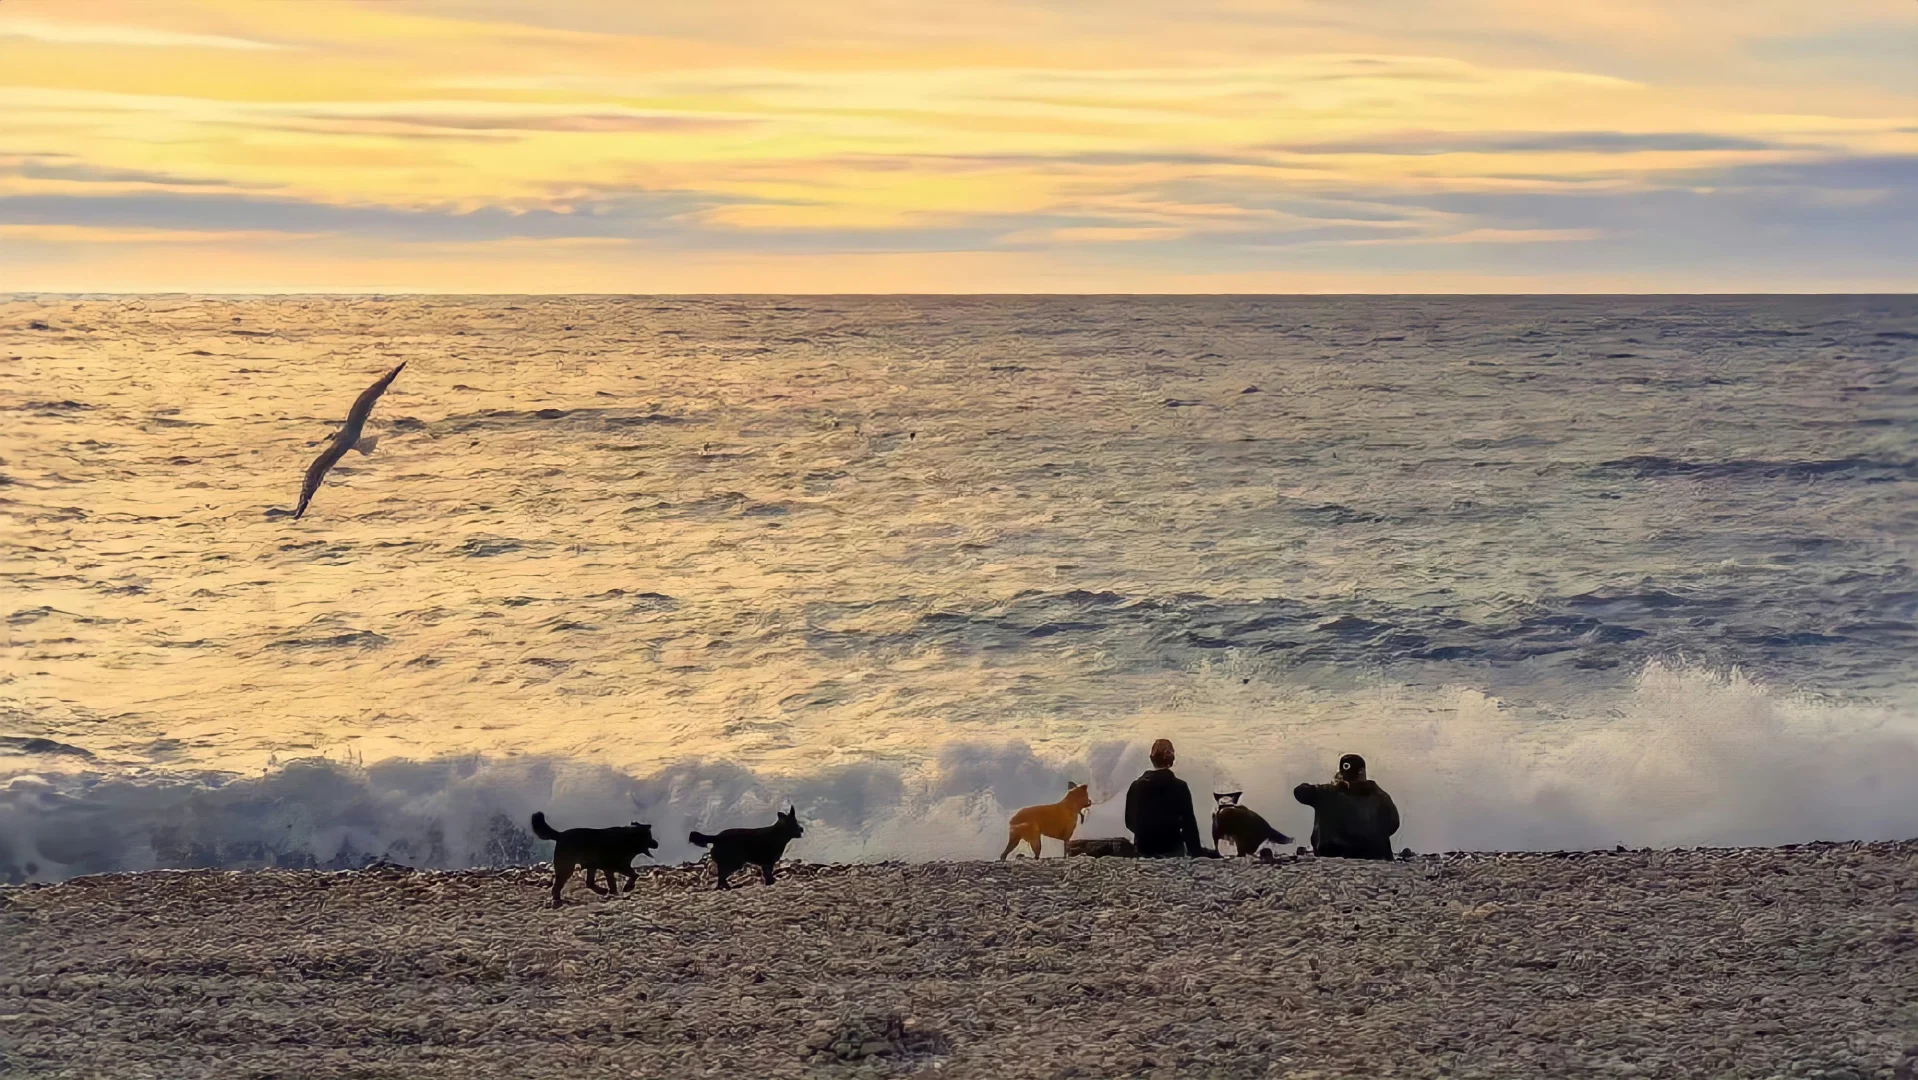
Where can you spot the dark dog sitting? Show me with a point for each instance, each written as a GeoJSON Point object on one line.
{"type": "Point", "coordinates": [761, 847]}
{"type": "Point", "coordinates": [1246, 829]}
{"type": "Point", "coordinates": [598, 850]}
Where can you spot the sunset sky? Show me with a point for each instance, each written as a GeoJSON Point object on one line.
{"type": "Point", "coordinates": [968, 146]}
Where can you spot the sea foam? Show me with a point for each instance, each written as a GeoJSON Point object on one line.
{"type": "Point", "coordinates": [1685, 758]}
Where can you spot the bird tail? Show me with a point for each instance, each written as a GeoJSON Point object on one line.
{"type": "Point", "coordinates": [701, 839]}
{"type": "Point", "coordinates": [541, 829]}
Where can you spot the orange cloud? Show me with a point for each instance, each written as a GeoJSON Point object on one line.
{"type": "Point", "coordinates": [1207, 137]}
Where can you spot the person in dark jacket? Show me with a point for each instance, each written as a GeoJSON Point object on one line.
{"type": "Point", "coordinates": [1352, 817]}
{"type": "Point", "coordinates": [1158, 811]}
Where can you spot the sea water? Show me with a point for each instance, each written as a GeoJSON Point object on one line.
{"type": "Point", "coordinates": [1566, 570]}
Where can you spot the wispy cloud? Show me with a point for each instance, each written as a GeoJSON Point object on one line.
{"type": "Point", "coordinates": [63, 235]}
{"type": "Point", "coordinates": [119, 34]}
{"type": "Point", "coordinates": [631, 216]}
{"type": "Point", "coordinates": [585, 122]}
{"type": "Point", "coordinates": [1567, 142]}
{"type": "Point", "coordinates": [961, 146]}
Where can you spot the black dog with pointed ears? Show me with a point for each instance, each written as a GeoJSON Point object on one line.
{"type": "Point", "coordinates": [1247, 830]}
{"type": "Point", "coordinates": [761, 847]}
{"type": "Point", "coordinates": [606, 851]}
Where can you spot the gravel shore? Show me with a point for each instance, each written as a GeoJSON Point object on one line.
{"type": "Point", "coordinates": [1713, 963]}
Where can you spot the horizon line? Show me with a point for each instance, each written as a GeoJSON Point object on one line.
{"type": "Point", "coordinates": [356, 292]}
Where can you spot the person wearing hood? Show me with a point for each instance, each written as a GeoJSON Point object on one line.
{"type": "Point", "coordinates": [1158, 811]}
{"type": "Point", "coordinates": [1352, 817]}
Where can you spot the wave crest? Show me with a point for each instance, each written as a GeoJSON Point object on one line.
{"type": "Point", "coordinates": [1683, 758]}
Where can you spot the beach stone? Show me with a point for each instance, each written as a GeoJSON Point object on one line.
{"type": "Point", "coordinates": [1707, 963]}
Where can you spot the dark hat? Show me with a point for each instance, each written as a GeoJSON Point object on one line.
{"type": "Point", "coordinates": [1351, 763]}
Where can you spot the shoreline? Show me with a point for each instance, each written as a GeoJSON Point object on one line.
{"type": "Point", "coordinates": [1798, 960]}
{"type": "Point", "coordinates": [648, 868]}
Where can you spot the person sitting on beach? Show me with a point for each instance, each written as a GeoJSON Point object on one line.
{"type": "Point", "coordinates": [1158, 811]}
{"type": "Point", "coordinates": [1352, 817]}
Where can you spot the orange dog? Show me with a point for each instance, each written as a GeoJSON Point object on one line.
{"type": "Point", "coordinates": [1056, 820]}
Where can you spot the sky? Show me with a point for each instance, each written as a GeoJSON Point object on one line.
{"type": "Point", "coordinates": [1065, 146]}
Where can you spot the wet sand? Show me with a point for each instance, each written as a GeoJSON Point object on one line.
{"type": "Point", "coordinates": [1759, 962]}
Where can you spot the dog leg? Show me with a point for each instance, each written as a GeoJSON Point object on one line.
{"type": "Point", "coordinates": [1026, 834]}
{"type": "Point", "coordinates": [1012, 841]}
{"type": "Point", "coordinates": [561, 871]}
{"type": "Point", "coordinates": [632, 878]}
{"type": "Point", "coordinates": [766, 872]}
{"type": "Point", "coordinates": [591, 884]}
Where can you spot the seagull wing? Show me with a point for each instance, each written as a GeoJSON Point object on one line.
{"type": "Point", "coordinates": [363, 405]}
{"type": "Point", "coordinates": [316, 472]}
{"type": "Point", "coordinates": [344, 440]}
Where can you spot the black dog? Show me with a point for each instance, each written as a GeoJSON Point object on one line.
{"type": "Point", "coordinates": [761, 847]}
{"type": "Point", "coordinates": [1246, 829]}
{"type": "Point", "coordinates": [598, 850]}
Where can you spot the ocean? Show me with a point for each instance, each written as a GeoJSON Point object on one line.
{"type": "Point", "coordinates": [1568, 571]}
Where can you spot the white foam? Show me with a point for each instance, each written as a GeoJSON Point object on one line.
{"type": "Point", "coordinates": [1684, 758]}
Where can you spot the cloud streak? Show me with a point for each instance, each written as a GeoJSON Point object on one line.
{"type": "Point", "coordinates": [120, 35]}
{"type": "Point", "coordinates": [1559, 142]}
{"type": "Point", "coordinates": [1163, 146]}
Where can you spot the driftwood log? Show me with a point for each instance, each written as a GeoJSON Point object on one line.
{"type": "Point", "coordinates": [1105, 845]}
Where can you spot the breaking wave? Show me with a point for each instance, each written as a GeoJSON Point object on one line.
{"type": "Point", "coordinates": [1682, 758]}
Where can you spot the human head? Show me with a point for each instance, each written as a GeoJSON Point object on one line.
{"type": "Point", "coordinates": [1351, 767]}
{"type": "Point", "coordinates": [1162, 754]}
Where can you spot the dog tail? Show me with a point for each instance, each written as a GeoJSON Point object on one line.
{"type": "Point", "coordinates": [702, 839]}
{"type": "Point", "coordinates": [1280, 838]}
{"type": "Point", "coordinates": [541, 829]}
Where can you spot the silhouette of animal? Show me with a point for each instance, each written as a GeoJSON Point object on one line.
{"type": "Point", "coordinates": [1103, 847]}
{"type": "Point", "coordinates": [760, 847]}
{"type": "Point", "coordinates": [347, 438]}
{"type": "Point", "coordinates": [605, 851]}
{"type": "Point", "coordinates": [1238, 823]}
{"type": "Point", "coordinates": [1057, 820]}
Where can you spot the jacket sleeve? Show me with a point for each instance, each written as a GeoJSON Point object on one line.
{"type": "Point", "coordinates": [1309, 794]}
{"type": "Point", "coordinates": [1132, 809]}
{"type": "Point", "coordinates": [1388, 814]}
{"type": "Point", "coordinates": [1189, 823]}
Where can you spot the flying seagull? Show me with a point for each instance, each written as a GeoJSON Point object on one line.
{"type": "Point", "coordinates": [347, 438]}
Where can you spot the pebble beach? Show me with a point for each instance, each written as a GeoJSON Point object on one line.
{"type": "Point", "coordinates": [1799, 961]}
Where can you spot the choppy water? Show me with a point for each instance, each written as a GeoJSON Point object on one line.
{"type": "Point", "coordinates": [1567, 570]}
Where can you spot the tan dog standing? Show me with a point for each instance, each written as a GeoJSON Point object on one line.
{"type": "Point", "coordinates": [1057, 820]}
